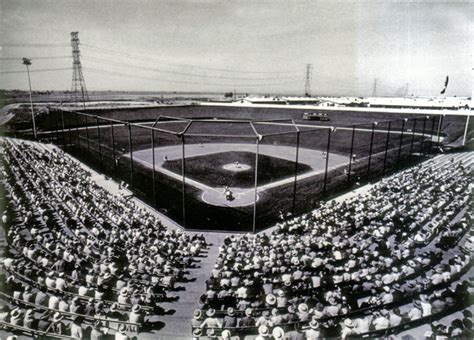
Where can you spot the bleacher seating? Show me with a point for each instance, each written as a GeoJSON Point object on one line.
{"type": "Point", "coordinates": [81, 262]}
{"type": "Point", "coordinates": [79, 259]}
{"type": "Point", "coordinates": [373, 265]}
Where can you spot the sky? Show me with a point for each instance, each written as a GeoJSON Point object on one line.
{"type": "Point", "coordinates": [356, 48]}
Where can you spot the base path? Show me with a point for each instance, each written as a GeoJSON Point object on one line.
{"type": "Point", "coordinates": [243, 196]}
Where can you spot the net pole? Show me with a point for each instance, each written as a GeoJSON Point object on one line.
{"type": "Point", "coordinates": [296, 170]}
{"type": "Point", "coordinates": [69, 128]}
{"type": "Point", "coordinates": [183, 183]}
{"type": "Point", "coordinates": [63, 129]}
{"type": "Point", "coordinates": [254, 224]}
{"type": "Point", "coordinates": [153, 160]}
{"type": "Point", "coordinates": [328, 145]}
{"type": "Point", "coordinates": [433, 121]}
{"type": "Point", "coordinates": [440, 125]}
{"type": "Point", "coordinates": [57, 126]}
{"type": "Point", "coordinates": [98, 139]}
{"type": "Point", "coordinates": [386, 146]}
{"type": "Point", "coordinates": [113, 148]}
{"type": "Point", "coordinates": [401, 140]}
{"type": "Point", "coordinates": [49, 126]}
{"type": "Point", "coordinates": [412, 137]}
{"type": "Point", "coordinates": [465, 131]}
{"type": "Point", "coordinates": [350, 156]}
{"type": "Point", "coordinates": [131, 152]}
{"type": "Point", "coordinates": [87, 137]}
{"type": "Point", "coordinates": [77, 131]}
{"type": "Point", "coordinates": [423, 136]}
{"type": "Point", "coordinates": [370, 149]}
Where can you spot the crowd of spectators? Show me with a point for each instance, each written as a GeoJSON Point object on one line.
{"type": "Point", "coordinates": [80, 261]}
{"type": "Point", "coordinates": [376, 263]}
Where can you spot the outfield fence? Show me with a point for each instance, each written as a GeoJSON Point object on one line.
{"type": "Point", "coordinates": [364, 152]}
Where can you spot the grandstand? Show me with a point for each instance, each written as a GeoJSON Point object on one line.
{"type": "Point", "coordinates": [84, 258]}
{"type": "Point", "coordinates": [359, 230]}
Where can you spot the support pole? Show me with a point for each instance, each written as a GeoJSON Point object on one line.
{"type": "Point", "coordinates": [77, 131]}
{"type": "Point", "coordinates": [422, 144]}
{"type": "Point", "coordinates": [183, 182]}
{"type": "Point", "coordinates": [433, 121]}
{"type": "Point", "coordinates": [63, 129]}
{"type": "Point", "coordinates": [350, 156]}
{"type": "Point", "coordinates": [69, 127]}
{"type": "Point", "coordinates": [440, 126]}
{"type": "Point", "coordinates": [412, 137]}
{"type": "Point", "coordinates": [401, 140]}
{"type": "Point", "coordinates": [465, 130]}
{"type": "Point", "coordinates": [98, 139]}
{"type": "Point", "coordinates": [296, 170]}
{"type": "Point", "coordinates": [130, 147]}
{"type": "Point", "coordinates": [254, 224]}
{"type": "Point", "coordinates": [49, 126]}
{"type": "Point", "coordinates": [56, 125]}
{"type": "Point", "coordinates": [386, 147]}
{"type": "Point", "coordinates": [87, 136]}
{"type": "Point", "coordinates": [327, 161]}
{"type": "Point", "coordinates": [370, 149]}
{"type": "Point", "coordinates": [114, 155]}
{"type": "Point", "coordinates": [153, 160]}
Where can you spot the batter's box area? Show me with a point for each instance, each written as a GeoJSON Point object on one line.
{"type": "Point", "coordinates": [213, 167]}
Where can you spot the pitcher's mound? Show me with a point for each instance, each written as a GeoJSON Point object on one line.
{"type": "Point", "coordinates": [236, 167]}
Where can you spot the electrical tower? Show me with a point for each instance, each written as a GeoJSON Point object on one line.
{"type": "Point", "coordinates": [307, 85]}
{"type": "Point", "coordinates": [78, 88]}
{"type": "Point", "coordinates": [406, 90]}
{"type": "Point", "coordinates": [374, 90]}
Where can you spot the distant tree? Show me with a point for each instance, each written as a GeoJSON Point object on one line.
{"type": "Point", "coordinates": [228, 95]}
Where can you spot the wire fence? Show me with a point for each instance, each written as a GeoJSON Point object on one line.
{"type": "Point", "coordinates": [277, 167]}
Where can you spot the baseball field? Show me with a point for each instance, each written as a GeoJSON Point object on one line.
{"type": "Point", "coordinates": [289, 173]}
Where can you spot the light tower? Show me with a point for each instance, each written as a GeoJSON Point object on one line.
{"type": "Point", "coordinates": [78, 88]}
{"type": "Point", "coordinates": [27, 62]}
{"type": "Point", "coordinates": [307, 85]}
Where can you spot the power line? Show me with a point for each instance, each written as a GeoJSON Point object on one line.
{"type": "Point", "coordinates": [38, 70]}
{"type": "Point", "coordinates": [37, 58]}
{"type": "Point", "coordinates": [158, 61]}
{"type": "Point", "coordinates": [179, 81]}
{"type": "Point", "coordinates": [147, 68]}
{"type": "Point", "coordinates": [35, 45]}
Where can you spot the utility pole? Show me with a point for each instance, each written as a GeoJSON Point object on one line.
{"type": "Point", "coordinates": [307, 85]}
{"type": "Point", "coordinates": [27, 62]}
{"type": "Point", "coordinates": [78, 87]}
{"type": "Point", "coordinates": [406, 89]}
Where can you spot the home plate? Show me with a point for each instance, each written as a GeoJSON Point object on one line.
{"type": "Point", "coordinates": [242, 197]}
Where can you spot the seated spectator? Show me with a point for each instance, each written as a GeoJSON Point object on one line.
{"type": "Point", "coordinates": [415, 312]}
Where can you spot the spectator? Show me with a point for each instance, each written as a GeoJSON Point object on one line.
{"type": "Point", "coordinates": [76, 329]}
{"type": "Point", "coordinates": [314, 332]}
{"type": "Point", "coordinates": [415, 312]}
{"type": "Point", "coordinates": [211, 322]}
{"type": "Point", "coordinates": [230, 320]}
